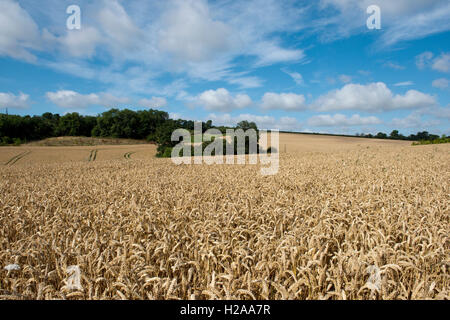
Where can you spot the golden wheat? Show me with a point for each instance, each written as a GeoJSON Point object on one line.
{"type": "Point", "coordinates": [368, 223]}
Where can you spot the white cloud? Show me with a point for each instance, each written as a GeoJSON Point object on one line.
{"type": "Point", "coordinates": [411, 121]}
{"type": "Point", "coordinates": [154, 102]}
{"type": "Point", "coordinates": [74, 100]}
{"type": "Point", "coordinates": [9, 100]}
{"type": "Point", "coordinates": [216, 33]}
{"type": "Point", "coordinates": [271, 52]}
{"type": "Point", "coordinates": [81, 43]}
{"type": "Point", "coordinates": [297, 77]}
{"type": "Point", "coordinates": [401, 20]}
{"type": "Point", "coordinates": [19, 34]}
{"type": "Point", "coordinates": [119, 26]}
{"type": "Point", "coordinates": [440, 83]}
{"type": "Point", "coordinates": [257, 23]}
{"type": "Point", "coordinates": [412, 99]}
{"type": "Point", "coordinates": [442, 63]}
{"type": "Point", "coordinates": [440, 112]}
{"type": "Point", "coordinates": [221, 100]}
{"type": "Point", "coordinates": [373, 97]}
{"type": "Point", "coordinates": [263, 122]}
{"type": "Point", "coordinates": [202, 38]}
{"type": "Point", "coordinates": [107, 29]}
{"type": "Point", "coordinates": [426, 21]}
{"type": "Point", "coordinates": [423, 59]}
{"type": "Point", "coordinates": [390, 8]}
{"type": "Point", "coordinates": [404, 84]}
{"type": "Point", "coordinates": [190, 33]}
{"type": "Point", "coordinates": [414, 120]}
{"type": "Point", "coordinates": [193, 38]}
{"type": "Point", "coordinates": [437, 113]}
{"type": "Point", "coordinates": [289, 124]}
{"type": "Point", "coordinates": [283, 101]}
{"type": "Point", "coordinates": [340, 120]}
{"type": "Point", "coordinates": [227, 119]}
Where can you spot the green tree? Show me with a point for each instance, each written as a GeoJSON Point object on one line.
{"type": "Point", "coordinates": [381, 135]}
{"type": "Point", "coordinates": [394, 134]}
{"type": "Point", "coordinates": [69, 125]}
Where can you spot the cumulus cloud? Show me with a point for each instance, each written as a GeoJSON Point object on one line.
{"type": "Point", "coordinates": [154, 102]}
{"type": "Point", "coordinates": [434, 114]}
{"type": "Point", "coordinates": [130, 44]}
{"type": "Point", "coordinates": [189, 32]}
{"type": "Point", "coordinates": [195, 38]}
{"type": "Point", "coordinates": [442, 63]}
{"type": "Point", "coordinates": [262, 121]}
{"type": "Point", "coordinates": [106, 28]}
{"type": "Point", "coordinates": [9, 100]}
{"type": "Point", "coordinates": [73, 100]}
{"type": "Point", "coordinates": [288, 123]}
{"type": "Point", "coordinates": [81, 43]}
{"type": "Point", "coordinates": [441, 83]}
{"type": "Point", "coordinates": [411, 121]}
{"type": "Point", "coordinates": [411, 100]}
{"type": "Point", "coordinates": [340, 120]}
{"type": "Point", "coordinates": [414, 120]}
{"type": "Point", "coordinates": [222, 100]}
{"type": "Point", "coordinates": [283, 101]}
{"type": "Point", "coordinates": [205, 37]}
{"type": "Point", "coordinates": [440, 113]}
{"type": "Point", "coordinates": [19, 34]}
{"type": "Point", "coordinates": [119, 27]}
{"type": "Point", "coordinates": [373, 97]}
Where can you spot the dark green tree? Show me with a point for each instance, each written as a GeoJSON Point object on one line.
{"type": "Point", "coordinates": [381, 135]}
{"type": "Point", "coordinates": [394, 134]}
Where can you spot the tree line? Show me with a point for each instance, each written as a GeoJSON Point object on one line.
{"type": "Point", "coordinates": [114, 123]}
{"type": "Point", "coordinates": [395, 135]}
{"type": "Point", "coordinates": [151, 125]}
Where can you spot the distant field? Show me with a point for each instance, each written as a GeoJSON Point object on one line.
{"type": "Point", "coordinates": [345, 218]}
{"type": "Point", "coordinates": [78, 149]}
{"type": "Point", "coordinates": [293, 142]}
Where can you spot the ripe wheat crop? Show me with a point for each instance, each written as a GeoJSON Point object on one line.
{"type": "Point", "coordinates": [366, 223]}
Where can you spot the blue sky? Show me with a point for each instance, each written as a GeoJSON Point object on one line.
{"type": "Point", "coordinates": [290, 65]}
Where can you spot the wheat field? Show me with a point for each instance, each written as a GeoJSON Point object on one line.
{"type": "Point", "coordinates": [343, 219]}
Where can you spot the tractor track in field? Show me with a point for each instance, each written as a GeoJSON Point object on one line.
{"type": "Point", "coordinates": [93, 155]}
{"type": "Point", "coordinates": [128, 155]}
{"type": "Point", "coordinates": [16, 158]}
